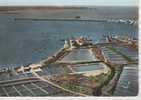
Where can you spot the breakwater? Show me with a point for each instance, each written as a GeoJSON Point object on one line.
{"type": "Point", "coordinates": [79, 19]}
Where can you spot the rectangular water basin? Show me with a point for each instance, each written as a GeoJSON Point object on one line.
{"type": "Point", "coordinates": [79, 55]}
{"type": "Point", "coordinates": [91, 67]}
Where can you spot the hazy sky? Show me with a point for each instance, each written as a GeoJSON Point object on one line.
{"type": "Point", "coordinates": [70, 2]}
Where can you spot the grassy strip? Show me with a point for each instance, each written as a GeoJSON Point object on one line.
{"type": "Point", "coordinates": [113, 77]}
{"type": "Point", "coordinates": [118, 72]}
{"type": "Point", "coordinates": [77, 88]}
{"type": "Point", "coordinates": [103, 79]}
{"type": "Point", "coordinates": [121, 53]}
{"type": "Point", "coordinates": [112, 73]}
{"type": "Point", "coordinates": [72, 87]}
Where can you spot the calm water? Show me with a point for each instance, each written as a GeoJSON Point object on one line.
{"type": "Point", "coordinates": [132, 53]}
{"type": "Point", "coordinates": [79, 55]}
{"type": "Point", "coordinates": [25, 41]}
{"type": "Point", "coordinates": [93, 67]}
{"type": "Point", "coordinates": [128, 82]}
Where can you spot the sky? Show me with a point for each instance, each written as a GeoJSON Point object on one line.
{"type": "Point", "coordinates": [71, 2]}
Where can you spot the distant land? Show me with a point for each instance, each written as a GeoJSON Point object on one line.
{"type": "Point", "coordinates": [7, 8]}
{"type": "Point", "coordinates": [98, 12]}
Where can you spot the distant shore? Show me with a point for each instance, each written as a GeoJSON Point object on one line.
{"type": "Point", "coordinates": [97, 12]}
{"type": "Point", "coordinates": [14, 8]}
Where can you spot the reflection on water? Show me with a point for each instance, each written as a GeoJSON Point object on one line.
{"type": "Point", "coordinates": [54, 69]}
{"type": "Point", "coordinates": [24, 42]}
{"type": "Point", "coordinates": [79, 55]}
{"type": "Point", "coordinates": [130, 52]}
{"type": "Point", "coordinates": [91, 67]}
{"type": "Point", "coordinates": [128, 82]}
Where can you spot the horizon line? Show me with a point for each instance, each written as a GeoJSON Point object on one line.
{"type": "Point", "coordinates": [69, 5]}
